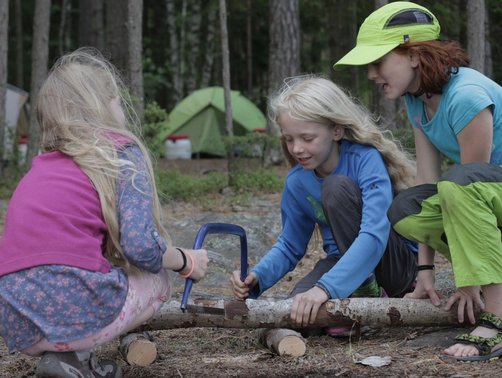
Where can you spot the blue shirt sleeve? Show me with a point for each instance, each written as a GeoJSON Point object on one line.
{"type": "Point", "coordinates": [140, 240]}
{"type": "Point", "coordinates": [290, 247]}
{"type": "Point", "coordinates": [368, 247]}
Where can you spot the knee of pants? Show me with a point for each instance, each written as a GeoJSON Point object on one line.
{"type": "Point", "coordinates": [338, 187]}
{"type": "Point", "coordinates": [409, 202]}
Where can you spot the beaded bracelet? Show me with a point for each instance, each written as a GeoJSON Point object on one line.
{"type": "Point", "coordinates": [192, 267]}
{"type": "Point", "coordinates": [184, 261]}
{"type": "Point", "coordinates": [425, 267]}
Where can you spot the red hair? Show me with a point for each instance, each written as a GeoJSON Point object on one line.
{"type": "Point", "coordinates": [437, 61]}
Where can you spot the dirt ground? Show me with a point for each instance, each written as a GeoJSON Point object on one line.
{"type": "Point", "coordinates": [212, 352]}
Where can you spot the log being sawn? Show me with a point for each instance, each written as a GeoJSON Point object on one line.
{"type": "Point", "coordinates": [269, 313]}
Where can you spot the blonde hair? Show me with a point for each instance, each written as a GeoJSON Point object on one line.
{"type": "Point", "coordinates": [74, 113]}
{"type": "Point", "coordinates": [314, 98]}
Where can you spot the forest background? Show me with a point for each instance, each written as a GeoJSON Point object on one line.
{"type": "Point", "coordinates": [167, 49]}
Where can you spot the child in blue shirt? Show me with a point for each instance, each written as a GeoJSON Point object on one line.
{"type": "Point", "coordinates": [345, 174]}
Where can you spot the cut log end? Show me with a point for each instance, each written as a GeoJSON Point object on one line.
{"type": "Point", "coordinates": [137, 350]}
{"type": "Point", "coordinates": [284, 342]}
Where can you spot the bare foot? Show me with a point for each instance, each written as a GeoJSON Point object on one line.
{"type": "Point", "coordinates": [468, 350]}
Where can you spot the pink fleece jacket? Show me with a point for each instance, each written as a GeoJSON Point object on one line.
{"type": "Point", "coordinates": [54, 217]}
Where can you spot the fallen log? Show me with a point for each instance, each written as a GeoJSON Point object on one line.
{"type": "Point", "coordinates": [270, 313]}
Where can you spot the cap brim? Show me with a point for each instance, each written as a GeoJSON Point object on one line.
{"type": "Point", "coordinates": [362, 54]}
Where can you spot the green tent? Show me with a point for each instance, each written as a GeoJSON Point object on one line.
{"type": "Point", "coordinates": [201, 116]}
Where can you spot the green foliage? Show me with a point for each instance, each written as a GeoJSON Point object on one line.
{"type": "Point", "coordinates": [250, 145]}
{"type": "Point", "coordinates": [155, 117]}
{"type": "Point", "coordinates": [10, 178]}
{"type": "Point", "coordinates": [173, 185]}
{"type": "Point", "coordinates": [262, 180]}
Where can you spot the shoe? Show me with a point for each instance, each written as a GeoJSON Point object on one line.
{"type": "Point", "coordinates": [370, 290]}
{"type": "Point", "coordinates": [483, 345]}
{"type": "Point", "coordinates": [76, 365]}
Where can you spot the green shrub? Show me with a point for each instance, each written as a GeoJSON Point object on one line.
{"type": "Point", "coordinates": [155, 119]}
{"type": "Point", "coordinates": [173, 185]}
{"type": "Point", "coordinates": [262, 180]}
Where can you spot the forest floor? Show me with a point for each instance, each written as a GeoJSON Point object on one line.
{"type": "Point", "coordinates": [221, 352]}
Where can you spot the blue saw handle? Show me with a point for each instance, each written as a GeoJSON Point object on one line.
{"type": "Point", "coordinates": [218, 228]}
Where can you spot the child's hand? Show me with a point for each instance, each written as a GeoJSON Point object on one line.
{"type": "Point", "coordinates": [467, 297]}
{"type": "Point", "coordinates": [239, 288]}
{"type": "Point", "coordinates": [306, 305]}
{"type": "Point", "coordinates": [200, 260]}
{"type": "Point", "coordinates": [425, 288]}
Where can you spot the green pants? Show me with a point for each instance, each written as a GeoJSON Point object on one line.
{"type": "Point", "coordinates": [460, 217]}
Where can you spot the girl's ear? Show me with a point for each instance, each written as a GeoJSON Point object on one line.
{"type": "Point", "coordinates": [414, 59]}
{"type": "Point", "coordinates": [338, 132]}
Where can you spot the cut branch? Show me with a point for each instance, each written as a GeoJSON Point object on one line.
{"type": "Point", "coordinates": [271, 313]}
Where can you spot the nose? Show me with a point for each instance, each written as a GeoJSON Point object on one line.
{"type": "Point", "coordinates": [372, 72]}
{"type": "Point", "coordinates": [297, 147]}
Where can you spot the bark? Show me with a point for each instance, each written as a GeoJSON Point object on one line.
{"type": "Point", "coordinates": [284, 48]}
{"type": "Point", "coordinates": [134, 61]}
{"type": "Point", "coordinates": [476, 33]}
{"type": "Point", "coordinates": [376, 312]}
{"type": "Point", "coordinates": [4, 32]}
{"type": "Point", "coordinates": [207, 66]}
{"type": "Point", "coordinates": [193, 42]}
{"type": "Point", "coordinates": [39, 62]}
{"type": "Point", "coordinates": [116, 32]}
{"type": "Point", "coordinates": [18, 15]}
{"type": "Point", "coordinates": [91, 23]}
{"type": "Point", "coordinates": [174, 52]}
{"type": "Point", "coordinates": [249, 46]}
{"type": "Point", "coordinates": [226, 67]}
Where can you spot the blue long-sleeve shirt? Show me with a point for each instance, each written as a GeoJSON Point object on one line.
{"type": "Point", "coordinates": [301, 211]}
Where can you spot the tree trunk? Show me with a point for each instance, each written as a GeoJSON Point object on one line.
{"type": "Point", "coordinates": [284, 47]}
{"type": "Point", "coordinates": [4, 41]}
{"type": "Point", "coordinates": [18, 15]}
{"type": "Point", "coordinates": [271, 313]}
{"type": "Point", "coordinates": [207, 66]}
{"type": "Point", "coordinates": [284, 342]}
{"type": "Point", "coordinates": [226, 67]}
{"type": "Point", "coordinates": [193, 46]}
{"type": "Point", "coordinates": [39, 61]}
{"type": "Point", "coordinates": [476, 33]}
{"type": "Point", "coordinates": [174, 53]}
{"type": "Point", "coordinates": [135, 54]}
{"type": "Point", "coordinates": [488, 47]}
{"type": "Point", "coordinates": [116, 32]}
{"type": "Point", "coordinates": [91, 23]}
{"type": "Point", "coordinates": [249, 46]}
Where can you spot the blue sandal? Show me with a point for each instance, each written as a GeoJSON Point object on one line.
{"type": "Point", "coordinates": [483, 345]}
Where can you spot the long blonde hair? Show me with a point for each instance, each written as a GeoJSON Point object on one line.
{"type": "Point", "coordinates": [314, 98]}
{"type": "Point", "coordinates": [74, 113]}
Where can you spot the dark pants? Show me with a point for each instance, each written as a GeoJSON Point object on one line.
{"type": "Point", "coordinates": [342, 204]}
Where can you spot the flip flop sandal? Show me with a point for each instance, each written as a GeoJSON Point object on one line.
{"type": "Point", "coordinates": [483, 344]}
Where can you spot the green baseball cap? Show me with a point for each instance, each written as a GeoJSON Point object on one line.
{"type": "Point", "coordinates": [388, 27]}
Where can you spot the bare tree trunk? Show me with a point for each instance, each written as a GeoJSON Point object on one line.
{"type": "Point", "coordinates": [376, 312]}
{"type": "Point", "coordinates": [226, 67]}
{"type": "Point", "coordinates": [488, 47]}
{"type": "Point", "coordinates": [174, 53]}
{"type": "Point", "coordinates": [284, 48]}
{"type": "Point", "coordinates": [207, 66]}
{"type": "Point", "coordinates": [18, 16]}
{"type": "Point", "coordinates": [135, 54]}
{"type": "Point", "coordinates": [91, 25]}
{"type": "Point", "coordinates": [4, 42]}
{"type": "Point", "coordinates": [476, 30]}
{"type": "Point", "coordinates": [249, 46]}
{"type": "Point", "coordinates": [193, 46]}
{"type": "Point", "coordinates": [39, 61]}
{"type": "Point", "coordinates": [116, 32]}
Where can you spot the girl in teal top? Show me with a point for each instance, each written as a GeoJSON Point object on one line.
{"type": "Point", "coordinates": [455, 111]}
